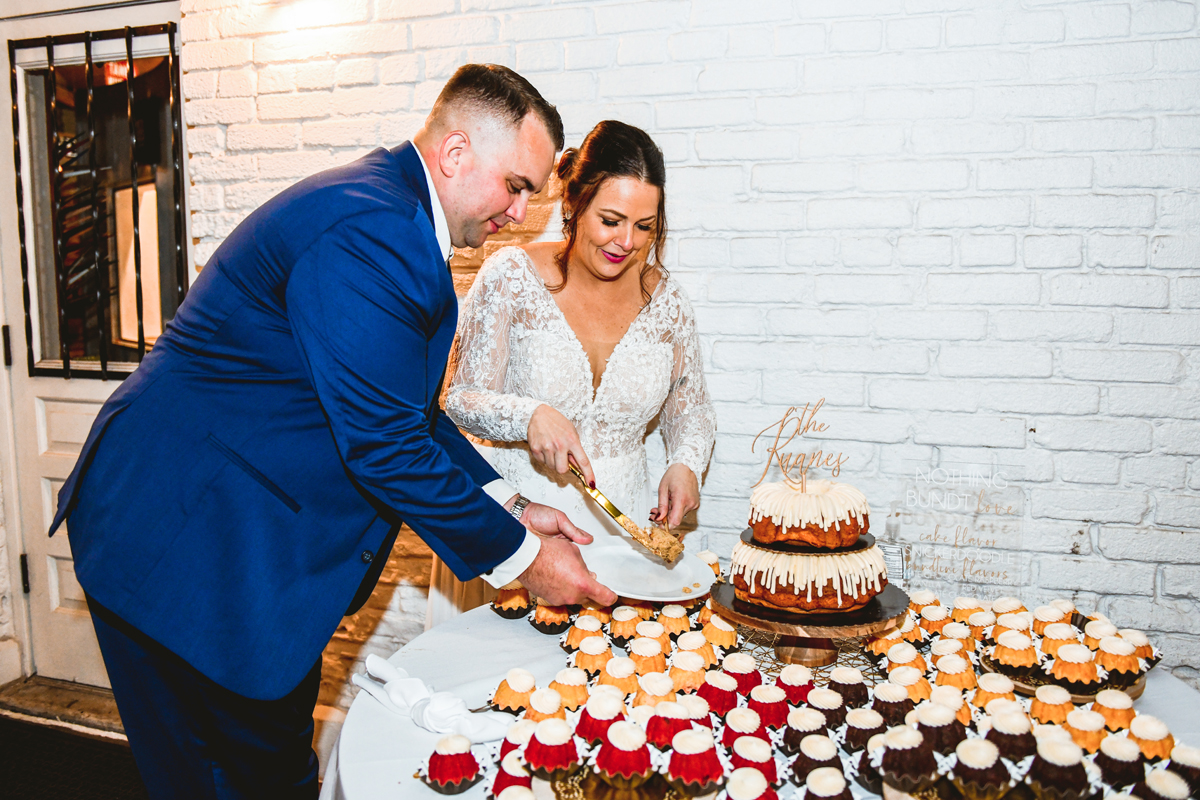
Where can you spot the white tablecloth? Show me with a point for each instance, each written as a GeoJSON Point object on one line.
{"type": "Point", "coordinates": [378, 751]}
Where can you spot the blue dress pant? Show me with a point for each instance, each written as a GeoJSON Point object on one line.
{"type": "Point", "coordinates": [192, 738]}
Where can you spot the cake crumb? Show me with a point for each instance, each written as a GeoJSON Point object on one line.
{"type": "Point", "coordinates": [687, 590]}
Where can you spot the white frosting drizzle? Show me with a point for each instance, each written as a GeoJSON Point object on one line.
{"type": "Point", "coordinates": [825, 782]}
{"type": "Point", "coordinates": [696, 706]}
{"type": "Point", "coordinates": [1062, 753]}
{"type": "Point", "coordinates": [995, 683]}
{"type": "Point", "coordinates": [673, 611]}
{"type": "Point", "coordinates": [546, 701]}
{"type": "Point", "coordinates": [1083, 720]}
{"type": "Point", "coordinates": [767, 693]}
{"type": "Point", "coordinates": [746, 783]}
{"type": "Point", "coordinates": [1149, 728]}
{"type": "Point", "coordinates": [650, 629]}
{"type": "Point", "coordinates": [452, 745]}
{"type": "Point", "coordinates": [658, 684]}
{"type": "Point", "coordinates": [626, 736]}
{"type": "Point", "coordinates": [904, 676]}
{"type": "Point", "coordinates": [1052, 695]}
{"type": "Point", "coordinates": [588, 623]}
{"type": "Point", "coordinates": [692, 640]}
{"type": "Point", "coordinates": [922, 597]}
{"type": "Point", "coordinates": [571, 676]}
{"type": "Point", "coordinates": [805, 719]}
{"type": "Point", "coordinates": [594, 645]}
{"type": "Point", "coordinates": [966, 603]}
{"type": "Point", "coordinates": [1115, 646]}
{"type": "Point", "coordinates": [977, 753]}
{"type": "Point", "coordinates": [953, 665]}
{"type": "Point", "coordinates": [719, 680]}
{"type": "Point", "coordinates": [739, 663]}
{"type": "Point", "coordinates": [863, 718]}
{"type": "Point", "coordinates": [624, 613]}
{"type": "Point", "coordinates": [743, 720]}
{"type": "Point", "coordinates": [901, 653]}
{"type": "Point", "coordinates": [795, 675]}
{"type": "Point", "coordinates": [553, 732]}
{"type": "Point", "coordinates": [693, 741]}
{"type": "Point", "coordinates": [1006, 605]}
{"type": "Point", "coordinates": [1016, 641]}
{"type": "Point", "coordinates": [519, 680]}
{"type": "Point", "coordinates": [1061, 631]}
{"type": "Point", "coordinates": [1098, 629]}
{"type": "Point", "coordinates": [620, 667]}
{"type": "Point", "coordinates": [850, 573]}
{"type": "Point", "coordinates": [1048, 614]}
{"type": "Point", "coordinates": [846, 675]}
{"type": "Point", "coordinates": [646, 648]}
{"type": "Point", "coordinates": [687, 661]}
{"type": "Point", "coordinates": [818, 747]}
{"type": "Point", "coordinates": [902, 737]}
{"type": "Point", "coordinates": [708, 557]}
{"type": "Point", "coordinates": [947, 696]}
{"type": "Point", "coordinates": [1013, 724]}
{"type": "Point", "coordinates": [1074, 654]}
{"type": "Point", "coordinates": [520, 731]}
{"type": "Point", "coordinates": [1121, 748]}
{"type": "Point", "coordinates": [934, 715]}
{"type": "Point", "coordinates": [825, 699]}
{"type": "Point", "coordinates": [890, 693]}
{"type": "Point", "coordinates": [1167, 784]}
{"type": "Point", "coordinates": [670, 711]}
{"type": "Point", "coordinates": [824, 503]}
{"type": "Point", "coordinates": [604, 706]}
{"type": "Point", "coordinates": [752, 748]}
{"type": "Point", "coordinates": [934, 613]}
{"type": "Point", "coordinates": [512, 764]}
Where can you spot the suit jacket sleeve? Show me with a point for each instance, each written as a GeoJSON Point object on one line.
{"type": "Point", "coordinates": [365, 302]}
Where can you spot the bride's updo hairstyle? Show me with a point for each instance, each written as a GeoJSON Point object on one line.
{"type": "Point", "coordinates": [612, 150]}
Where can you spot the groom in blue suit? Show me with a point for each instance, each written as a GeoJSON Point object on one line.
{"type": "Point", "coordinates": [241, 491]}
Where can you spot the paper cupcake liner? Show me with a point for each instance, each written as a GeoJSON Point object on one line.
{"type": "Point", "coordinates": [452, 788]}
{"type": "Point", "coordinates": [510, 613]}
{"type": "Point", "coordinates": [1043, 792]}
{"type": "Point", "coordinates": [976, 791]}
{"type": "Point", "coordinates": [910, 784]}
{"type": "Point", "coordinates": [694, 789]}
{"type": "Point", "coordinates": [550, 629]}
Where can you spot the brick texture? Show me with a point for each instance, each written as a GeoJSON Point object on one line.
{"type": "Point", "coordinates": [971, 231]}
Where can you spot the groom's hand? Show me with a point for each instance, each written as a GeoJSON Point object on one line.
{"type": "Point", "coordinates": [558, 575]}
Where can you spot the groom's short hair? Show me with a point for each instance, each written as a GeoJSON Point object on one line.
{"type": "Point", "coordinates": [498, 91]}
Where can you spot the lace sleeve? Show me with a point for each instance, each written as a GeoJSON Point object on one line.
{"type": "Point", "coordinates": [475, 398]}
{"type": "Point", "coordinates": [689, 422]}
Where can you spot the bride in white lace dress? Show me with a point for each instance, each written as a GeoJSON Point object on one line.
{"type": "Point", "coordinates": [570, 349]}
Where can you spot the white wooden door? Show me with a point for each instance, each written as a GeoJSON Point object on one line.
{"type": "Point", "coordinates": [51, 416]}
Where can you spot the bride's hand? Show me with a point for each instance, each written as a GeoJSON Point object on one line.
{"type": "Point", "coordinates": [678, 493]}
{"type": "Point", "coordinates": [553, 439]}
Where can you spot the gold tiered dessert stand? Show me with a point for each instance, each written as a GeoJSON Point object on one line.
{"type": "Point", "coordinates": [807, 638]}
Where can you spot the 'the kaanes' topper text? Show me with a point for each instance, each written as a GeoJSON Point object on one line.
{"type": "Point", "coordinates": [795, 466]}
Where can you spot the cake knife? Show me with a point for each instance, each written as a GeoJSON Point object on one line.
{"type": "Point", "coordinates": [663, 545]}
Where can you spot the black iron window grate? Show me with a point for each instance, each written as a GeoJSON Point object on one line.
{"type": "Point", "coordinates": [101, 217]}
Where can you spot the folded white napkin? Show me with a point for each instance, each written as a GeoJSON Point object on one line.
{"type": "Point", "coordinates": [440, 712]}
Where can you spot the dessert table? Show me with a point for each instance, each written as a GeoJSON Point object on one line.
{"type": "Point", "coordinates": [378, 751]}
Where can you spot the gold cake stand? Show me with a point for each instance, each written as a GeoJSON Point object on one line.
{"type": "Point", "coordinates": [807, 638]}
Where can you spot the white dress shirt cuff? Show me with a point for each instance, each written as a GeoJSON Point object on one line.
{"type": "Point", "coordinates": [511, 568]}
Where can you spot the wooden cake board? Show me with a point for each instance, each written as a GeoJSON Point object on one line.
{"type": "Point", "coordinates": [807, 639]}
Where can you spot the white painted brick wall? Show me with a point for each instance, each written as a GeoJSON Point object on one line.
{"type": "Point", "coordinates": [972, 230]}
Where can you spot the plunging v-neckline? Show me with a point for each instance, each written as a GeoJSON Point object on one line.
{"type": "Point", "coordinates": [597, 386]}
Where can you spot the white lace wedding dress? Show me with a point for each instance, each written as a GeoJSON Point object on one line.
{"type": "Point", "coordinates": [515, 351]}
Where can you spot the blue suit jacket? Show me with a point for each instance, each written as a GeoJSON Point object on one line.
{"type": "Point", "coordinates": [232, 491]}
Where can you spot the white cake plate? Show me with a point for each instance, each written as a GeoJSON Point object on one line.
{"type": "Point", "coordinates": [640, 576]}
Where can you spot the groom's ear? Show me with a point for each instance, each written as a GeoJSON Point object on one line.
{"type": "Point", "coordinates": [454, 155]}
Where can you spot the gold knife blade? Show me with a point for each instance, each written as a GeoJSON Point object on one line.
{"type": "Point", "coordinates": [600, 499]}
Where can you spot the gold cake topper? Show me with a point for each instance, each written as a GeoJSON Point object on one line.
{"type": "Point", "coordinates": [795, 466]}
